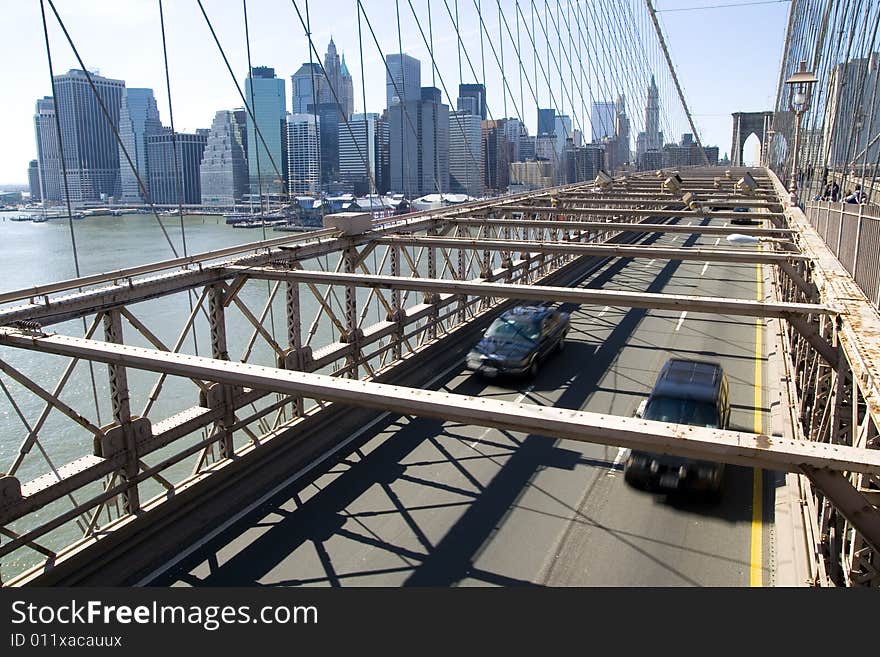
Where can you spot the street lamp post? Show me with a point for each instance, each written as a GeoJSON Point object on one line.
{"type": "Point", "coordinates": [800, 91]}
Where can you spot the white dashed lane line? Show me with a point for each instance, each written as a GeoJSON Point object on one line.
{"type": "Point", "coordinates": [681, 319]}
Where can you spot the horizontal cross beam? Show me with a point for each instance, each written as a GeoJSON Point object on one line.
{"type": "Point", "coordinates": [619, 226]}
{"type": "Point", "coordinates": [541, 294]}
{"type": "Point", "coordinates": [733, 447]}
{"type": "Point", "coordinates": [663, 253]}
{"type": "Point", "coordinates": [630, 212]}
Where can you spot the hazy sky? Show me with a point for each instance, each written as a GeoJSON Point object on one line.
{"type": "Point", "coordinates": [727, 58]}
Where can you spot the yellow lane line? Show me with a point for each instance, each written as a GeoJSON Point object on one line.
{"type": "Point", "coordinates": [756, 570]}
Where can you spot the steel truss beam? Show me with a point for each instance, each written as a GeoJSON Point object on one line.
{"type": "Point", "coordinates": [542, 294]}
{"type": "Point", "coordinates": [733, 447]}
{"type": "Point", "coordinates": [623, 227]}
{"type": "Point", "coordinates": [568, 248]}
{"type": "Point", "coordinates": [627, 212]}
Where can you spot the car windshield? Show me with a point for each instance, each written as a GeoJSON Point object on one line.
{"type": "Point", "coordinates": [517, 329]}
{"type": "Point", "coordinates": [682, 411]}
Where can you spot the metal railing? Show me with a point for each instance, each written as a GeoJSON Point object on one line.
{"type": "Point", "coordinates": [852, 232]}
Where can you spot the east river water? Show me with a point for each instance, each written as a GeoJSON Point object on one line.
{"type": "Point", "coordinates": [39, 253]}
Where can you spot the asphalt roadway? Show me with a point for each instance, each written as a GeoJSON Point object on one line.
{"type": "Point", "coordinates": [423, 502]}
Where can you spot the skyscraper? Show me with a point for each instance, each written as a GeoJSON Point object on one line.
{"type": "Point", "coordinates": [358, 145]}
{"type": "Point", "coordinates": [601, 120]}
{"type": "Point", "coordinates": [497, 162]}
{"type": "Point", "coordinates": [34, 181]}
{"type": "Point", "coordinates": [339, 87]}
{"type": "Point", "coordinates": [138, 119]}
{"type": "Point", "coordinates": [48, 156]}
{"type": "Point", "coordinates": [651, 140]}
{"type": "Point", "coordinates": [329, 122]}
{"type": "Point", "coordinates": [303, 163]}
{"type": "Point", "coordinates": [514, 129]}
{"type": "Point", "coordinates": [265, 95]}
{"type": "Point", "coordinates": [403, 79]}
{"type": "Point", "coordinates": [652, 117]}
{"type": "Point", "coordinates": [419, 145]}
{"type": "Point", "coordinates": [546, 122]}
{"type": "Point", "coordinates": [223, 172]}
{"type": "Point", "coordinates": [478, 93]}
{"type": "Point", "coordinates": [163, 181]}
{"type": "Point", "coordinates": [91, 153]}
{"type": "Point", "coordinates": [563, 132]}
{"type": "Point", "coordinates": [621, 131]}
{"type": "Point", "coordinates": [465, 153]}
{"type": "Point", "coordinates": [302, 83]}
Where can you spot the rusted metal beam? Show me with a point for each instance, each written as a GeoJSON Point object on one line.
{"type": "Point", "coordinates": [605, 250]}
{"type": "Point", "coordinates": [620, 226]}
{"type": "Point", "coordinates": [541, 294]}
{"type": "Point", "coordinates": [690, 441]}
{"type": "Point", "coordinates": [629, 212]}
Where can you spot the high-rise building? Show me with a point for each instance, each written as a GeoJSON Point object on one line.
{"type": "Point", "coordinates": [477, 92]}
{"type": "Point", "coordinates": [546, 122]}
{"type": "Point", "coordinates": [562, 131]}
{"type": "Point", "coordinates": [91, 153]}
{"type": "Point", "coordinates": [514, 129]}
{"type": "Point", "coordinates": [34, 181]}
{"type": "Point", "coordinates": [339, 88]}
{"type": "Point", "coordinates": [419, 145]}
{"type": "Point", "coordinates": [304, 164]}
{"type": "Point", "coordinates": [687, 153]}
{"type": "Point", "coordinates": [468, 105]}
{"type": "Point", "coordinates": [163, 179]}
{"type": "Point", "coordinates": [329, 122]}
{"type": "Point", "coordinates": [621, 133]}
{"type": "Point", "coordinates": [403, 79]}
{"type": "Point", "coordinates": [497, 159]}
{"type": "Point", "coordinates": [651, 140]}
{"type": "Point", "coordinates": [223, 172]}
{"type": "Point", "coordinates": [358, 146]}
{"type": "Point", "coordinates": [465, 153]}
{"type": "Point", "coordinates": [308, 86]}
{"type": "Point", "coordinates": [48, 155]}
{"type": "Point", "coordinates": [652, 117]}
{"type": "Point", "coordinates": [602, 114]}
{"type": "Point", "coordinates": [526, 148]}
{"type": "Point", "coordinates": [581, 163]}
{"type": "Point", "coordinates": [138, 119]}
{"type": "Point", "coordinates": [265, 95]}
{"type": "Point", "coordinates": [241, 118]}
{"type": "Point", "coordinates": [383, 154]}
{"type": "Point", "coordinates": [533, 174]}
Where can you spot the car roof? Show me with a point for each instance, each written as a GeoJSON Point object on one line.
{"type": "Point", "coordinates": [532, 312]}
{"type": "Point", "coordinates": [689, 379]}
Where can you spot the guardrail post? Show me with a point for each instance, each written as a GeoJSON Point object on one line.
{"type": "Point", "coordinates": [856, 245]}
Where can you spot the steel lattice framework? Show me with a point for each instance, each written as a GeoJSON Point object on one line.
{"type": "Point", "coordinates": [350, 311]}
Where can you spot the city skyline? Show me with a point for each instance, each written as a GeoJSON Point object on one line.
{"type": "Point", "coordinates": [195, 102]}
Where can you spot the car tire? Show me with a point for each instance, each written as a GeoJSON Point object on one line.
{"type": "Point", "coordinates": [636, 482]}
{"type": "Point", "coordinates": [533, 368]}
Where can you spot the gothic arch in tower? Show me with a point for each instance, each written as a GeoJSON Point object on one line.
{"type": "Point", "coordinates": [745, 124]}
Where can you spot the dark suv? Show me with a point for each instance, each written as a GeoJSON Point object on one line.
{"type": "Point", "coordinates": [686, 392]}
